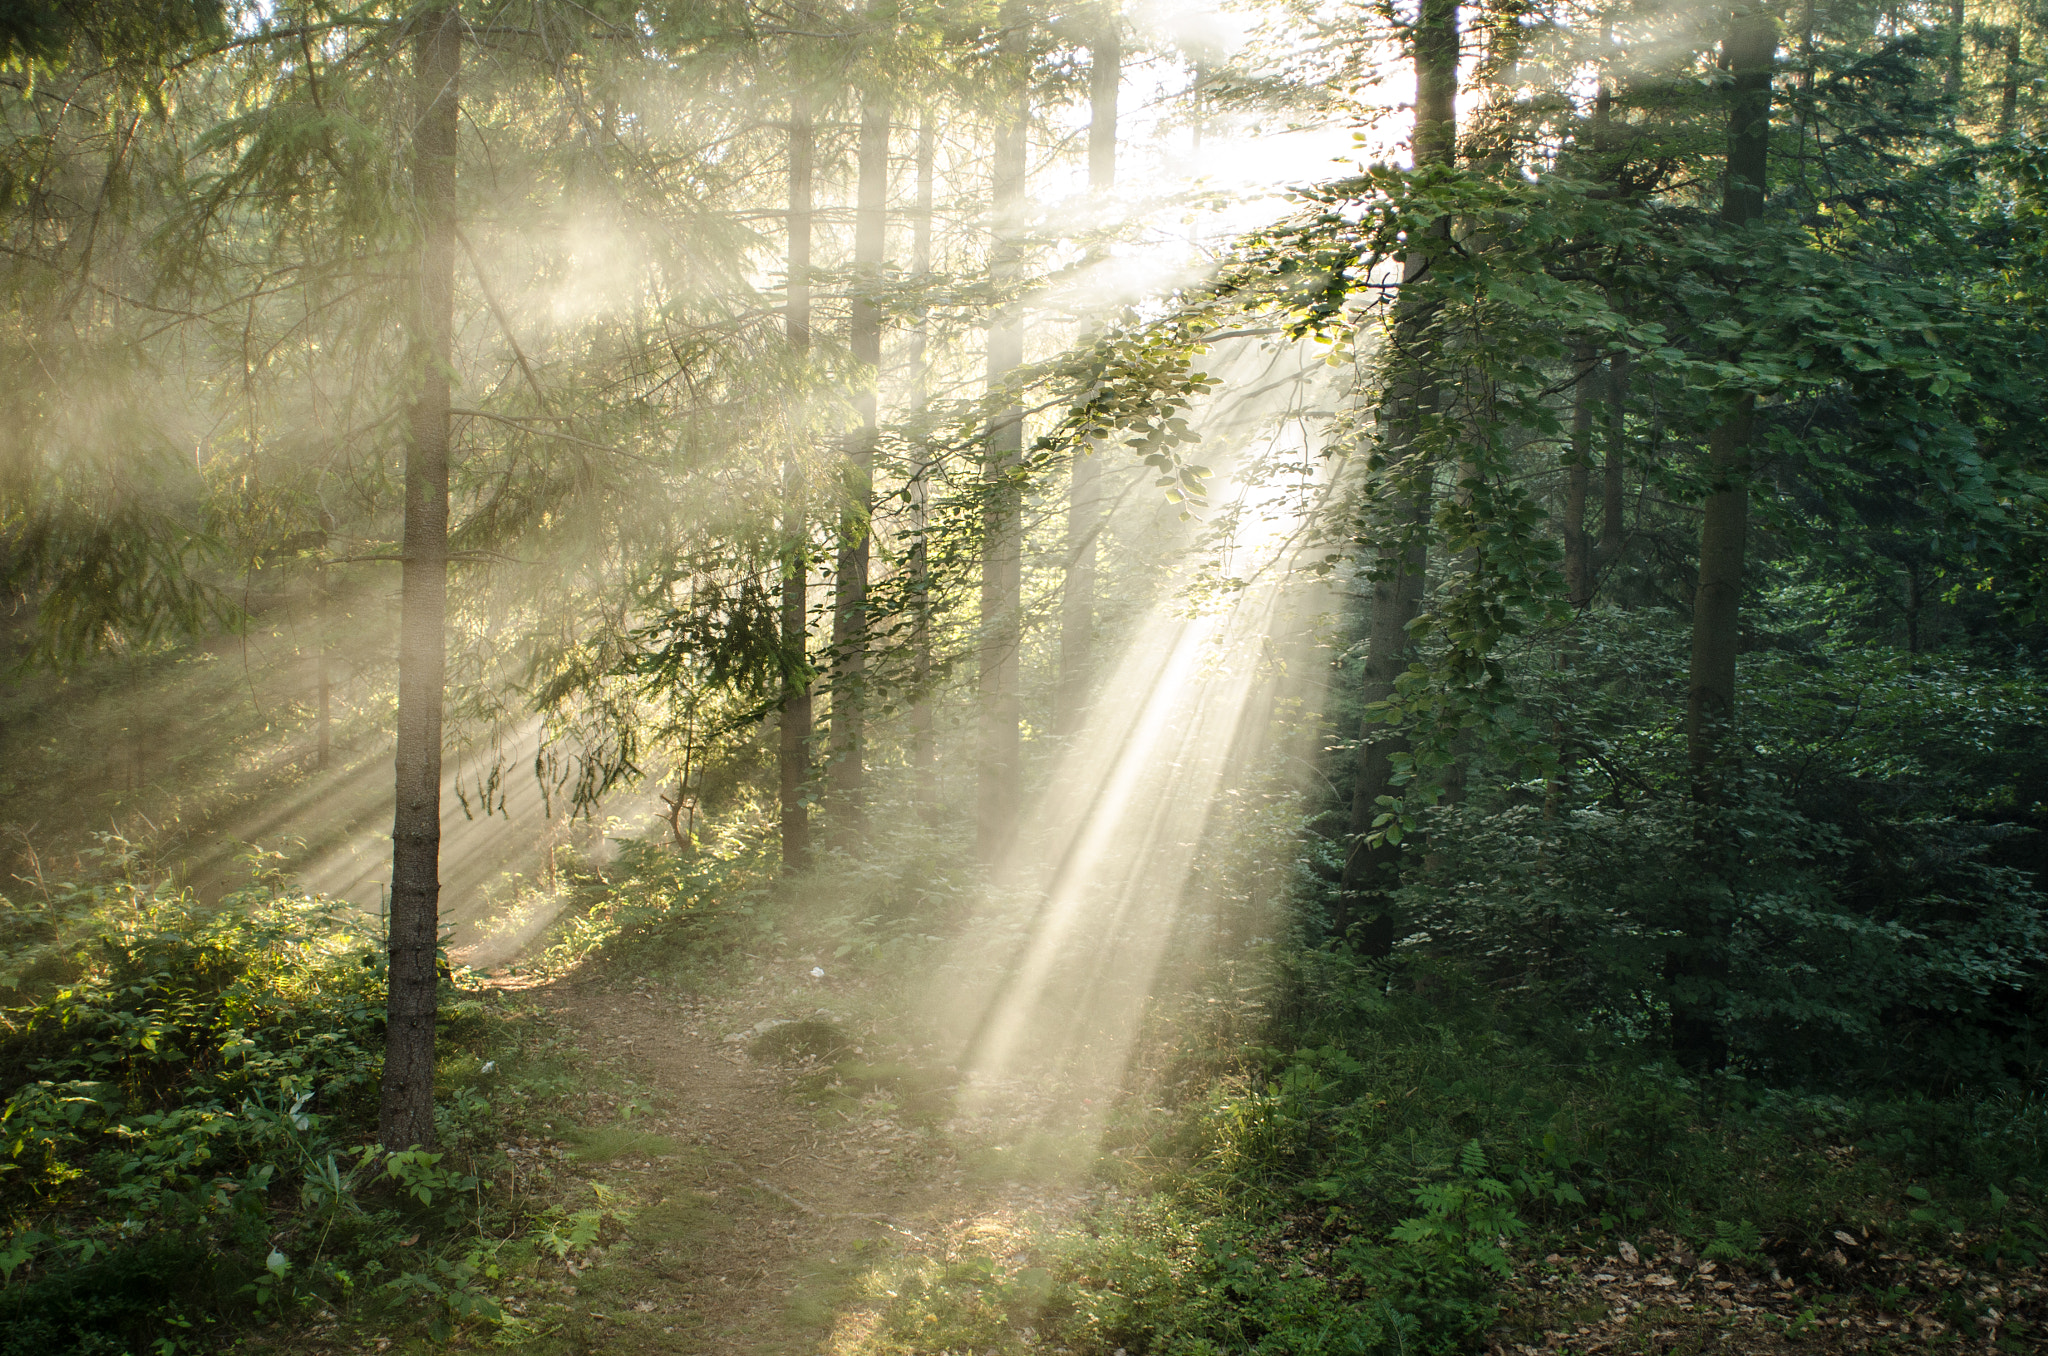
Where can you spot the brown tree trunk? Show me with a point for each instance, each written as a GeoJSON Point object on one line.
{"type": "Point", "coordinates": [1952, 77]}
{"type": "Point", "coordinates": [1084, 494]}
{"type": "Point", "coordinates": [1913, 607]}
{"type": "Point", "coordinates": [2009, 79]}
{"type": "Point", "coordinates": [847, 765]}
{"type": "Point", "coordinates": [1579, 567]}
{"type": "Point", "coordinates": [1710, 703]}
{"type": "Point", "coordinates": [1614, 469]}
{"type": "Point", "coordinates": [1697, 966]}
{"type": "Point", "coordinates": [325, 714]}
{"type": "Point", "coordinates": [1578, 553]}
{"type": "Point", "coordinates": [1001, 765]}
{"type": "Point", "coordinates": [923, 744]}
{"type": "Point", "coordinates": [406, 1116]}
{"type": "Point", "coordinates": [1372, 870]}
{"type": "Point", "coordinates": [1802, 103]}
{"type": "Point", "coordinates": [793, 733]}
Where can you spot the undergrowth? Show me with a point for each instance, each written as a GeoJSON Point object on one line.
{"type": "Point", "coordinates": [1375, 1187]}
{"type": "Point", "coordinates": [187, 1135]}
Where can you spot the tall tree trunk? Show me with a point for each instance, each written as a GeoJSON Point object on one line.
{"type": "Point", "coordinates": [1802, 102]}
{"type": "Point", "coordinates": [1578, 553]}
{"type": "Point", "coordinates": [1372, 870]}
{"type": "Point", "coordinates": [406, 1117]}
{"type": "Point", "coordinates": [2009, 78]}
{"type": "Point", "coordinates": [1105, 80]}
{"type": "Point", "coordinates": [1001, 765]}
{"type": "Point", "coordinates": [1913, 607]}
{"type": "Point", "coordinates": [847, 768]}
{"type": "Point", "coordinates": [923, 744]}
{"type": "Point", "coordinates": [1697, 966]}
{"type": "Point", "coordinates": [1952, 76]}
{"type": "Point", "coordinates": [1084, 493]}
{"type": "Point", "coordinates": [1614, 469]}
{"type": "Point", "coordinates": [323, 604]}
{"type": "Point", "coordinates": [793, 734]}
{"type": "Point", "coordinates": [1611, 159]}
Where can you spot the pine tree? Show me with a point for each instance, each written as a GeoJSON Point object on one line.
{"type": "Point", "coordinates": [406, 1117]}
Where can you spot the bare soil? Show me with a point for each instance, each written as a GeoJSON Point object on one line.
{"type": "Point", "coordinates": [758, 1198]}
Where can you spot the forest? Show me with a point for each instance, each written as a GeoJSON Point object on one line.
{"type": "Point", "coordinates": [980, 677]}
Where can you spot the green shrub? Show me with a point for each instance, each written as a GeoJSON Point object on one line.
{"type": "Point", "coordinates": [187, 1097]}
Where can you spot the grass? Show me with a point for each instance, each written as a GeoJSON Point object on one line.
{"type": "Point", "coordinates": [606, 1144]}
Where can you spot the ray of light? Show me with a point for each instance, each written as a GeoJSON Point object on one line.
{"type": "Point", "coordinates": [480, 852]}
{"type": "Point", "coordinates": [1108, 878]}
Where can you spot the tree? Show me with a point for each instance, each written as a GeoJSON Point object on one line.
{"type": "Point", "coordinates": [136, 33]}
{"type": "Point", "coordinates": [1084, 492]}
{"type": "Point", "coordinates": [1398, 574]}
{"type": "Point", "coordinates": [1001, 620]}
{"type": "Point", "coordinates": [1697, 968]}
{"type": "Point", "coordinates": [406, 1118]}
{"type": "Point", "coordinates": [850, 579]}
{"type": "Point", "coordinates": [923, 749]}
{"type": "Point", "coordinates": [793, 728]}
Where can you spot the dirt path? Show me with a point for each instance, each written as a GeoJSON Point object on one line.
{"type": "Point", "coordinates": [761, 1200]}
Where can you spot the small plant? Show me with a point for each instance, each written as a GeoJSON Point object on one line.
{"type": "Point", "coordinates": [1437, 1288]}
{"type": "Point", "coordinates": [1931, 1217]}
{"type": "Point", "coordinates": [1740, 1243]}
{"type": "Point", "coordinates": [564, 1232]}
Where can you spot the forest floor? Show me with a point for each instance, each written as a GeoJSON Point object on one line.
{"type": "Point", "coordinates": [763, 1201]}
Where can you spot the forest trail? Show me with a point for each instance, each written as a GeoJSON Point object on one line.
{"type": "Point", "coordinates": [758, 1199]}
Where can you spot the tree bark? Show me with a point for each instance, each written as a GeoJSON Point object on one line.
{"type": "Point", "coordinates": [1105, 81]}
{"type": "Point", "coordinates": [847, 765]}
{"type": "Point", "coordinates": [793, 734]}
{"type": "Point", "coordinates": [1710, 702]}
{"type": "Point", "coordinates": [1696, 967]}
{"type": "Point", "coordinates": [1614, 470]}
{"type": "Point", "coordinates": [406, 1116]}
{"type": "Point", "coordinates": [1001, 772]}
{"type": "Point", "coordinates": [325, 694]}
{"type": "Point", "coordinates": [1372, 870]}
{"type": "Point", "coordinates": [1912, 607]}
{"type": "Point", "coordinates": [923, 743]}
{"type": "Point", "coordinates": [2009, 79]}
{"type": "Point", "coordinates": [1952, 76]}
{"type": "Point", "coordinates": [1084, 493]}
{"type": "Point", "coordinates": [1578, 553]}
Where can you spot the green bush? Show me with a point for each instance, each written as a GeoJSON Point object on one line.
{"type": "Point", "coordinates": [187, 1097]}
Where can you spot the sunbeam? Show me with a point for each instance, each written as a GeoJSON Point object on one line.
{"type": "Point", "coordinates": [1112, 870]}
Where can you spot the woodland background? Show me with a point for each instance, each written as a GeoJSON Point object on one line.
{"type": "Point", "coordinates": [728, 467]}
